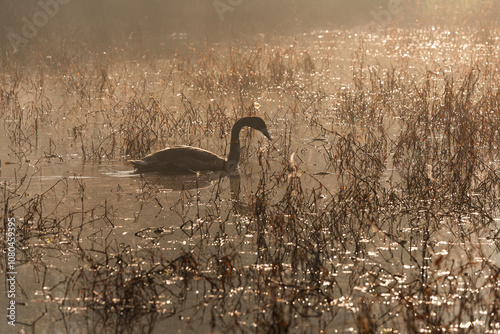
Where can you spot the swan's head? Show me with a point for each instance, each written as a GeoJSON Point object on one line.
{"type": "Point", "coordinates": [265, 132]}
{"type": "Point", "coordinates": [256, 123]}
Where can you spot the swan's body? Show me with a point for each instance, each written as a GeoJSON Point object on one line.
{"type": "Point", "coordinates": [188, 159]}
{"type": "Point", "coordinates": [180, 159]}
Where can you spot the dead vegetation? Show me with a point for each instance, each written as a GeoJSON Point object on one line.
{"type": "Point", "coordinates": [386, 220]}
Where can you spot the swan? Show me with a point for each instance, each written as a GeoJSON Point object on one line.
{"type": "Point", "coordinates": [188, 159]}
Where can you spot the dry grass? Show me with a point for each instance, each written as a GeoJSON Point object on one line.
{"type": "Point", "coordinates": [385, 221]}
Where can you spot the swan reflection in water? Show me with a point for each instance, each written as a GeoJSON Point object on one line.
{"type": "Point", "coordinates": [198, 181]}
{"type": "Point", "coordinates": [190, 181]}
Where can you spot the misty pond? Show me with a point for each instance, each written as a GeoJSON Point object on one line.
{"type": "Point", "coordinates": [373, 208]}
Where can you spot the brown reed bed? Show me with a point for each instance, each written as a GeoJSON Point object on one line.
{"type": "Point", "coordinates": [385, 219]}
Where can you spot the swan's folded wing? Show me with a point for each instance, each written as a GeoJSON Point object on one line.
{"type": "Point", "coordinates": [197, 159]}
{"type": "Point", "coordinates": [180, 159]}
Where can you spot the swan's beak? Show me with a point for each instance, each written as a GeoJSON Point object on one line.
{"type": "Point", "coordinates": [264, 131]}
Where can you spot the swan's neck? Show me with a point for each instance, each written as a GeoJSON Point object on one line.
{"type": "Point", "coordinates": [234, 149]}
